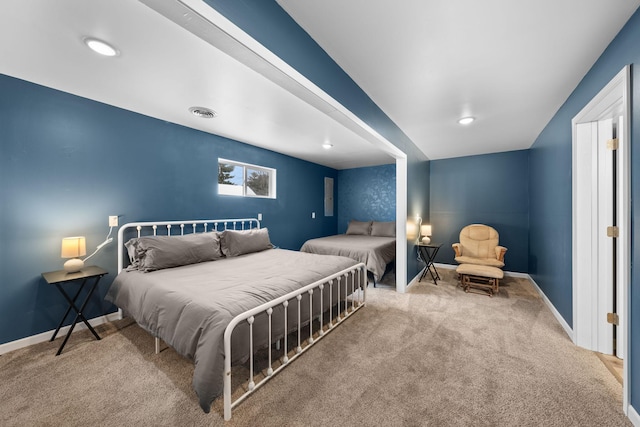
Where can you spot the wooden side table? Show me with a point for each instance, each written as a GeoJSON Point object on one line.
{"type": "Point", "coordinates": [428, 252]}
{"type": "Point", "coordinates": [87, 274]}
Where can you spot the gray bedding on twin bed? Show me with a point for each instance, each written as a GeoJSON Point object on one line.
{"type": "Point", "coordinates": [190, 306]}
{"type": "Point", "coordinates": [374, 251]}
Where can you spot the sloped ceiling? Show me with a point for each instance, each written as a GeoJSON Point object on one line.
{"type": "Point", "coordinates": [162, 70]}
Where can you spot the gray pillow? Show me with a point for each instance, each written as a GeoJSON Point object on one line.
{"type": "Point", "coordinates": [151, 253]}
{"type": "Point", "coordinates": [359, 227]}
{"type": "Point", "coordinates": [383, 229]}
{"type": "Point", "coordinates": [240, 242]}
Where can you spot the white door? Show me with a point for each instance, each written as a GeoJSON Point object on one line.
{"type": "Point", "coordinates": [605, 257]}
{"type": "Point", "coordinates": [593, 178]}
{"type": "Point", "coordinates": [596, 264]}
{"type": "Point", "coordinates": [622, 256]}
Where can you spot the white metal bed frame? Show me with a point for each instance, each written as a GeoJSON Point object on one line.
{"type": "Point", "coordinates": [358, 282]}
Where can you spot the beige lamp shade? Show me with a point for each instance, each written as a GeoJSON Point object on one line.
{"type": "Point", "coordinates": [425, 232]}
{"type": "Point", "coordinates": [73, 247]}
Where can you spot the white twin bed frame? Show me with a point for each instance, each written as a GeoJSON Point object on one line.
{"type": "Point", "coordinates": [351, 297]}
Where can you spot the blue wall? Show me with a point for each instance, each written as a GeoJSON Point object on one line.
{"type": "Point", "coordinates": [550, 190]}
{"type": "Point", "coordinates": [269, 24]}
{"type": "Point", "coordinates": [490, 189]}
{"type": "Point", "coordinates": [68, 163]}
{"type": "Point", "coordinates": [366, 194]}
{"type": "Point", "coordinates": [550, 177]}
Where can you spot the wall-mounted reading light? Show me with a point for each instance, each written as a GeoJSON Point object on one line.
{"type": "Point", "coordinates": [413, 229]}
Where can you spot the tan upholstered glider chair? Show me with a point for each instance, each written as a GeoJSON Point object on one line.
{"type": "Point", "coordinates": [479, 245]}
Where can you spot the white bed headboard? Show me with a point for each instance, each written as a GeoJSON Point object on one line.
{"type": "Point", "coordinates": [177, 228]}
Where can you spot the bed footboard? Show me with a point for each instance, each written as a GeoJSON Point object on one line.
{"type": "Point", "coordinates": [348, 287]}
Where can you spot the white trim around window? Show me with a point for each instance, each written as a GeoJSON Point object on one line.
{"type": "Point", "coordinates": [245, 180]}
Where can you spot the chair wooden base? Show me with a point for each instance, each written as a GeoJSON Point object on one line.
{"type": "Point", "coordinates": [480, 277]}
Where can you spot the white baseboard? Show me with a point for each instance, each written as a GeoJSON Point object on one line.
{"type": "Point", "coordinates": [555, 312]}
{"type": "Point", "coordinates": [46, 336]}
{"type": "Point", "coordinates": [633, 416]}
{"type": "Point", "coordinates": [445, 266]}
{"type": "Point", "coordinates": [546, 300]}
{"type": "Point", "coordinates": [516, 274]}
{"type": "Point", "coordinates": [414, 280]}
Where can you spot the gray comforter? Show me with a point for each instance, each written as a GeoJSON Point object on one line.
{"type": "Point", "coordinates": [375, 252]}
{"type": "Point", "coordinates": [189, 307]}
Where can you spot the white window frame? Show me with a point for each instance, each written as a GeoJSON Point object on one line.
{"type": "Point", "coordinates": [270, 171]}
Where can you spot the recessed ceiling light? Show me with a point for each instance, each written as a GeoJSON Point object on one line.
{"type": "Point", "coordinates": [202, 112]}
{"type": "Point", "coordinates": [466, 120]}
{"type": "Point", "coordinates": [101, 47]}
{"type": "Point", "coordinates": [327, 146]}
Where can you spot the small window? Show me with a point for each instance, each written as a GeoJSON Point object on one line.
{"type": "Point", "coordinates": [243, 179]}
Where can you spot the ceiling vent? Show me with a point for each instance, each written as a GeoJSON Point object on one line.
{"type": "Point", "coordinates": [203, 112]}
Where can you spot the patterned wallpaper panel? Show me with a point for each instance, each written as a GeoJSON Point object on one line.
{"type": "Point", "coordinates": [366, 194]}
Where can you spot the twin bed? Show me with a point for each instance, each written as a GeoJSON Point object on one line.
{"type": "Point", "coordinates": [217, 292]}
{"type": "Point", "coordinates": [372, 243]}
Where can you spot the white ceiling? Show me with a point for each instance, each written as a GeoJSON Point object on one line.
{"type": "Point", "coordinates": [427, 63]}
{"type": "Point", "coordinates": [163, 70]}
{"type": "Point", "coordinates": [424, 62]}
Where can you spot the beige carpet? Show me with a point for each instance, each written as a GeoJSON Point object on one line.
{"type": "Point", "coordinates": [434, 356]}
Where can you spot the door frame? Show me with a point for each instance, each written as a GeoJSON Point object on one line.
{"type": "Point", "coordinates": [612, 101]}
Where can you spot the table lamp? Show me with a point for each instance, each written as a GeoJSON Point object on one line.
{"type": "Point", "coordinates": [73, 247]}
{"type": "Point", "coordinates": [425, 231]}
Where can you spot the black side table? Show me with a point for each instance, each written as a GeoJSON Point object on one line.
{"type": "Point", "coordinates": [428, 252]}
{"type": "Point", "coordinates": [59, 277]}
